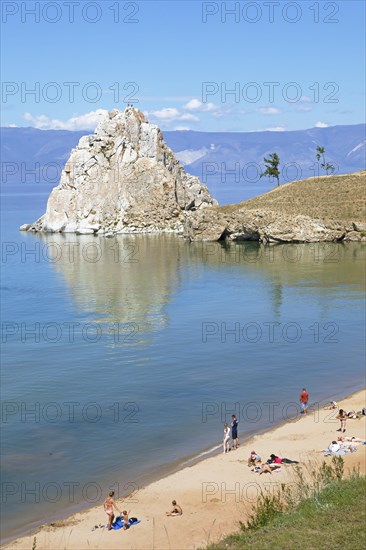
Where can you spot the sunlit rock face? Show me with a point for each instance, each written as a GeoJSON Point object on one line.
{"type": "Point", "coordinates": [123, 178]}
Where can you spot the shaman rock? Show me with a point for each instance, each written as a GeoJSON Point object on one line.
{"type": "Point", "coordinates": [122, 178]}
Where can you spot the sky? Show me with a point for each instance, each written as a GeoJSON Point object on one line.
{"type": "Point", "coordinates": [188, 65]}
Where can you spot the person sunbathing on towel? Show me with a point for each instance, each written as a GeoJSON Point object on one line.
{"type": "Point", "coordinates": [330, 406]}
{"type": "Point", "coordinates": [266, 468]}
{"type": "Point", "coordinates": [273, 459]}
{"type": "Point", "coordinates": [351, 439]}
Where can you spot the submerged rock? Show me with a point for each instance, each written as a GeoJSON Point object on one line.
{"type": "Point", "coordinates": [122, 178]}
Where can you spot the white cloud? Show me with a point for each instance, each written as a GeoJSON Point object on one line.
{"type": "Point", "coordinates": [164, 114]}
{"type": "Point", "coordinates": [188, 116]}
{"type": "Point", "coordinates": [320, 124]}
{"type": "Point", "coordinates": [305, 99]}
{"type": "Point", "coordinates": [275, 129]}
{"type": "Point", "coordinates": [181, 128]}
{"type": "Point", "coordinates": [197, 105]}
{"type": "Point", "coordinates": [193, 104]}
{"type": "Point", "coordinates": [89, 121]}
{"type": "Point", "coordinates": [223, 112]}
{"type": "Point", "coordinates": [269, 111]}
{"type": "Point", "coordinates": [171, 114]}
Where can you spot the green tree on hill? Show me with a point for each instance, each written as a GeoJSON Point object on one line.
{"type": "Point", "coordinates": [272, 164]}
{"type": "Point", "coordinates": [320, 154]}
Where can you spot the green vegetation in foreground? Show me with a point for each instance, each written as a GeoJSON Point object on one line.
{"type": "Point", "coordinates": [333, 517]}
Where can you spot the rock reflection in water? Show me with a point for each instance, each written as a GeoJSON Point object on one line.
{"type": "Point", "coordinates": [130, 279]}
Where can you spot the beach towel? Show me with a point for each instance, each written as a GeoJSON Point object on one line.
{"type": "Point", "coordinates": [118, 524]}
{"type": "Point", "coordinates": [341, 452]}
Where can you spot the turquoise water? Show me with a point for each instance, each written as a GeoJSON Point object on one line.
{"type": "Point", "coordinates": [132, 352]}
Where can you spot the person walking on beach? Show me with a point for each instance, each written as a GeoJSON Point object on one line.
{"type": "Point", "coordinates": [304, 399]}
{"type": "Point", "coordinates": [226, 440]}
{"type": "Point", "coordinates": [109, 504]}
{"type": "Point", "coordinates": [234, 431]}
{"type": "Point", "coordinates": [342, 417]}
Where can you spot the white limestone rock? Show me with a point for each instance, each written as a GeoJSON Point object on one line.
{"type": "Point", "coordinates": [122, 178]}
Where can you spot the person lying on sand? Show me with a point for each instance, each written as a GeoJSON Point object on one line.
{"type": "Point", "coordinates": [273, 459]}
{"type": "Point", "coordinates": [253, 458]}
{"type": "Point", "coordinates": [266, 468]}
{"type": "Point", "coordinates": [352, 414]}
{"type": "Point", "coordinates": [351, 439]}
{"type": "Point", "coordinates": [349, 443]}
{"type": "Point", "coordinates": [177, 510]}
{"type": "Point", "coordinates": [109, 504]}
{"type": "Point", "coordinates": [330, 406]}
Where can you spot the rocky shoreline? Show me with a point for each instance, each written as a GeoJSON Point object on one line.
{"type": "Point", "coordinates": [325, 208]}
{"type": "Point", "coordinates": [267, 226]}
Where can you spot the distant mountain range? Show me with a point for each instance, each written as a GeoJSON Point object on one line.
{"type": "Point", "coordinates": [345, 147]}
{"type": "Point", "coordinates": [216, 157]}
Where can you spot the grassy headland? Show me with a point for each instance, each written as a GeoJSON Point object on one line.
{"type": "Point", "coordinates": [329, 513]}
{"type": "Point", "coordinates": [341, 197]}
{"type": "Point", "coordinates": [326, 208]}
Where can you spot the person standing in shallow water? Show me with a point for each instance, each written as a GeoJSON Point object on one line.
{"type": "Point", "coordinates": [234, 431]}
{"type": "Point", "coordinates": [304, 399]}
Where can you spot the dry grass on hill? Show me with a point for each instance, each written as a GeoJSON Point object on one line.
{"type": "Point", "coordinates": [341, 197]}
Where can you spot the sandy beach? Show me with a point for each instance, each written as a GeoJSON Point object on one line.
{"type": "Point", "coordinates": [215, 494]}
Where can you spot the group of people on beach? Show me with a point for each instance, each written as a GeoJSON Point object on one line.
{"type": "Point", "coordinates": [231, 433]}
{"type": "Point", "coordinates": [342, 445]}
{"type": "Point", "coordinates": [273, 463]}
{"type": "Point", "coordinates": [110, 505]}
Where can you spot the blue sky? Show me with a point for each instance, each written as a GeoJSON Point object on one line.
{"type": "Point", "coordinates": [290, 65]}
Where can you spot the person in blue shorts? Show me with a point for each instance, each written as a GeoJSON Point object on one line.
{"type": "Point", "coordinates": [234, 431]}
{"type": "Point", "coordinates": [304, 400]}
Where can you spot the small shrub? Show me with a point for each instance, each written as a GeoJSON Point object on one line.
{"type": "Point", "coordinates": [338, 467]}
{"type": "Point", "coordinates": [266, 509]}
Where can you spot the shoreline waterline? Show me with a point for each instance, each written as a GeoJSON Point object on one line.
{"type": "Point", "coordinates": [162, 474]}
{"type": "Point", "coordinates": [174, 297]}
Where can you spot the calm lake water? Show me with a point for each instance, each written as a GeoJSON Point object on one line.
{"type": "Point", "coordinates": [122, 357]}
